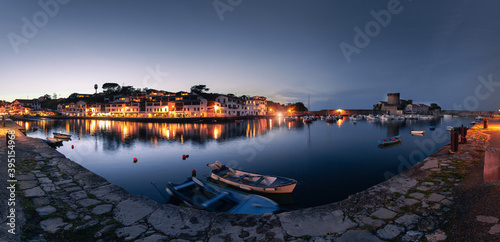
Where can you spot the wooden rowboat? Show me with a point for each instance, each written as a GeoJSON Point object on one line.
{"type": "Point", "coordinates": [208, 196]}
{"type": "Point", "coordinates": [417, 132]}
{"type": "Point", "coordinates": [252, 181]}
{"type": "Point", "coordinates": [62, 136]}
{"type": "Point", "coordinates": [389, 141]}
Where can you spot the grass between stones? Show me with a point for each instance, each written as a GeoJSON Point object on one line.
{"type": "Point", "coordinates": [32, 226]}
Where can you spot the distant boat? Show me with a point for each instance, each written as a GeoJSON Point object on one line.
{"type": "Point", "coordinates": [252, 181]}
{"type": "Point", "coordinates": [432, 127]}
{"type": "Point", "coordinates": [208, 196]}
{"type": "Point", "coordinates": [449, 128]}
{"type": "Point", "coordinates": [391, 140]}
{"type": "Point", "coordinates": [62, 136]}
{"type": "Point", "coordinates": [331, 119]}
{"type": "Point", "coordinates": [417, 132]}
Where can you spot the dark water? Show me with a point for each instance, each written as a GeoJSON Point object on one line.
{"type": "Point", "coordinates": [330, 161]}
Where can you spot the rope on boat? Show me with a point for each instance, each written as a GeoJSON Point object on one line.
{"type": "Point", "coordinates": [152, 183]}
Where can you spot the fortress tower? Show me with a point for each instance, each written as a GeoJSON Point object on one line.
{"type": "Point", "coordinates": [393, 98]}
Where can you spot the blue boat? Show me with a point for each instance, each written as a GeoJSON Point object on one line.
{"type": "Point", "coordinates": [205, 195]}
{"type": "Point", "coordinates": [390, 141]}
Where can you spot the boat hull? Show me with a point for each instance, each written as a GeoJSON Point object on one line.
{"type": "Point", "coordinates": [208, 196]}
{"type": "Point", "coordinates": [62, 136]}
{"type": "Point", "coordinates": [390, 141]}
{"type": "Point", "coordinates": [264, 187]}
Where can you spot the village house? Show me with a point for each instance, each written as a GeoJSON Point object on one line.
{"type": "Point", "coordinates": [417, 109]}
{"type": "Point", "coordinates": [24, 106]}
{"type": "Point", "coordinates": [162, 104]}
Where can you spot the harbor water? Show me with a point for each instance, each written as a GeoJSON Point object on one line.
{"type": "Point", "coordinates": [329, 160]}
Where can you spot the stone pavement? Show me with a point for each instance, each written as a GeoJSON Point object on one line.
{"type": "Point", "coordinates": [477, 211]}
{"type": "Point", "coordinates": [64, 201]}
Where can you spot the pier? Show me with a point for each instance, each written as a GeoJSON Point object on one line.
{"type": "Point", "coordinates": [57, 199]}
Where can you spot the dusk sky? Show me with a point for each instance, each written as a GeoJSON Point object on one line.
{"type": "Point", "coordinates": [446, 52]}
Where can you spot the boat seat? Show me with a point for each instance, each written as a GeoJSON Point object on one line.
{"type": "Point", "coordinates": [214, 199]}
{"type": "Point", "coordinates": [258, 181]}
{"type": "Point", "coordinates": [187, 184]}
{"type": "Point", "coordinates": [223, 172]}
{"type": "Point", "coordinates": [241, 178]}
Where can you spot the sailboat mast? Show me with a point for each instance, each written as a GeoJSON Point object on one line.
{"type": "Point", "coordinates": [308, 104]}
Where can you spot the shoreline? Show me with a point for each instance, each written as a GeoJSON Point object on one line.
{"type": "Point", "coordinates": [401, 206]}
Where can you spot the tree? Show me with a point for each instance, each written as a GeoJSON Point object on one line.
{"type": "Point", "coordinates": [54, 96]}
{"type": "Point", "coordinates": [199, 88]}
{"type": "Point", "coordinates": [434, 106]}
{"type": "Point", "coordinates": [46, 96]}
{"type": "Point", "coordinates": [110, 87]}
{"type": "Point", "coordinates": [127, 90]}
{"type": "Point", "coordinates": [296, 107]}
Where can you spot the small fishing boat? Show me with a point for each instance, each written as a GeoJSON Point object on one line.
{"type": "Point", "coordinates": [449, 128]}
{"type": "Point", "coordinates": [307, 120]}
{"type": "Point", "coordinates": [62, 136]}
{"type": "Point", "coordinates": [252, 181]}
{"type": "Point", "coordinates": [432, 127]}
{"type": "Point", "coordinates": [331, 119]}
{"type": "Point", "coordinates": [417, 132]}
{"type": "Point", "coordinates": [391, 140]}
{"type": "Point", "coordinates": [205, 195]}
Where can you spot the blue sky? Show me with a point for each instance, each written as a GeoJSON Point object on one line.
{"type": "Point", "coordinates": [429, 51]}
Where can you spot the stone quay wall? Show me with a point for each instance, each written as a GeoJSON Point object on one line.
{"type": "Point", "coordinates": [61, 200]}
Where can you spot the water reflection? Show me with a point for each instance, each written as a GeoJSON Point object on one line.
{"type": "Point", "coordinates": [118, 133]}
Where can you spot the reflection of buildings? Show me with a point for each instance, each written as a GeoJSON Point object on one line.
{"type": "Point", "coordinates": [120, 133]}
{"type": "Point", "coordinates": [393, 129]}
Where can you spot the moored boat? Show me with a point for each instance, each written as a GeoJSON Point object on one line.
{"type": "Point", "coordinates": [252, 181]}
{"type": "Point", "coordinates": [208, 196]}
{"type": "Point", "coordinates": [391, 140]}
{"type": "Point", "coordinates": [62, 136]}
{"type": "Point", "coordinates": [417, 132]}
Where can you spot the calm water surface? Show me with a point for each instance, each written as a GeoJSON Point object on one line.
{"type": "Point", "coordinates": [330, 161]}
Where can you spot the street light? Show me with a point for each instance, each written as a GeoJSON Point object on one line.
{"type": "Point", "coordinates": [215, 110]}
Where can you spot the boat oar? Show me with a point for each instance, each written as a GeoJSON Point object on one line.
{"type": "Point", "coordinates": [152, 183]}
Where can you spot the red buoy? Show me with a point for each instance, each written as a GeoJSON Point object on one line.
{"type": "Point", "coordinates": [183, 156]}
{"type": "Point", "coordinates": [193, 172]}
{"type": "Point", "coordinates": [135, 160]}
{"type": "Point", "coordinates": [72, 146]}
